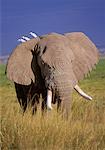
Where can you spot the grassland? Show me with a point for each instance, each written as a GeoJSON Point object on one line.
{"type": "Point", "coordinates": [84, 130]}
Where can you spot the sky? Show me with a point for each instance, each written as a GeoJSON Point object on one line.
{"type": "Point", "coordinates": [19, 17]}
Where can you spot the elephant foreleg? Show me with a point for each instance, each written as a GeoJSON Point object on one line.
{"type": "Point", "coordinates": [58, 105]}
{"type": "Point", "coordinates": [44, 101]}
{"type": "Point", "coordinates": [21, 96]}
{"type": "Point", "coordinates": [34, 103]}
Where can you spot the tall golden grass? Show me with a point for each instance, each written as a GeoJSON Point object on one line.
{"type": "Point", "coordinates": [84, 130]}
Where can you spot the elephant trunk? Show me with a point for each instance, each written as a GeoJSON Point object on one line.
{"type": "Point", "coordinates": [64, 88]}
{"type": "Point", "coordinates": [65, 95]}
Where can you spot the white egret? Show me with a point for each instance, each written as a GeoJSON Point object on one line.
{"type": "Point", "coordinates": [26, 38]}
{"type": "Point", "coordinates": [21, 40]}
{"type": "Point", "coordinates": [33, 34]}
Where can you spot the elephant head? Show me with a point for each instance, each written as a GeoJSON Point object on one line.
{"type": "Point", "coordinates": [64, 60]}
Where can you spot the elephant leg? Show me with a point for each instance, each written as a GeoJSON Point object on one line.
{"type": "Point", "coordinates": [24, 105]}
{"type": "Point", "coordinates": [54, 97]}
{"type": "Point", "coordinates": [44, 101]}
{"type": "Point", "coordinates": [58, 105]}
{"type": "Point", "coordinates": [21, 96]}
{"type": "Point", "coordinates": [34, 107]}
{"type": "Point", "coordinates": [34, 103]}
{"type": "Point", "coordinates": [33, 98]}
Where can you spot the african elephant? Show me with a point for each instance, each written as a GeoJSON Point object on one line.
{"type": "Point", "coordinates": [23, 70]}
{"type": "Point", "coordinates": [64, 60]}
{"type": "Point", "coordinates": [54, 63]}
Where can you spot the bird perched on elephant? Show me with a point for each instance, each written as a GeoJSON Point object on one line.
{"type": "Point", "coordinates": [62, 61]}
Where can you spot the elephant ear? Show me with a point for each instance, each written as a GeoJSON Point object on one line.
{"type": "Point", "coordinates": [19, 65]}
{"type": "Point", "coordinates": [85, 54]}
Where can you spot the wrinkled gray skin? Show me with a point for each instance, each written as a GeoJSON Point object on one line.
{"type": "Point", "coordinates": [63, 60]}
{"type": "Point", "coordinates": [56, 58]}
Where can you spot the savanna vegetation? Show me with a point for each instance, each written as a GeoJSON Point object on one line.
{"type": "Point", "coordinates": [84, 130]}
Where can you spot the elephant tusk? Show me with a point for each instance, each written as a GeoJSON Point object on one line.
{"type": "Point", "coordinates": [25, 38]}
{"type": "Point", "coordinates": [49, 99]}
{"type": "Point", "coordinates": [79, 90]}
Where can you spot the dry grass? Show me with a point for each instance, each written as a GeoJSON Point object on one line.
{"type": "Point", "coordinates": [84, 130]}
